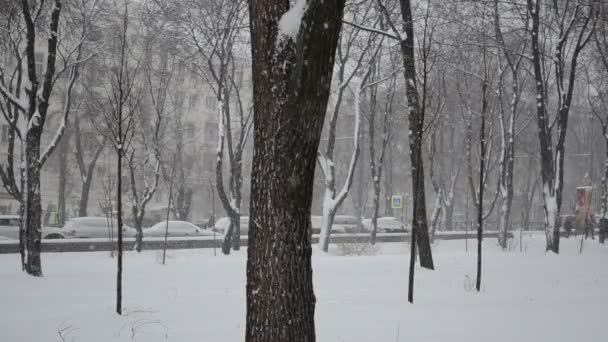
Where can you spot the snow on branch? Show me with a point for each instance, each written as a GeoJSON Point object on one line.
{"type": "Point", "coordinates": [21, 104]}
{"type": "Point", "coordinates": [373, 30]}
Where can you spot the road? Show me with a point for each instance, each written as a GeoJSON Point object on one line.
{"type": "Point", "coordinates": [93, 245]}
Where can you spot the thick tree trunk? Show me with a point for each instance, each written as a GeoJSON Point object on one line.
{"type": "Point", "coordinates": [232, 235]}
{"type": "Point", "coordinates": [183, 203]}
{"type": "Point", "coordinates": [33, 206]}
{"type": "Point", "coordinates": [291, 88]}
{"type": "Point", "coordinates": [505, 220]}
{"type": "Point", "coordinates": [84, 196]}
{"type": "Point", "coordinates": [551, 209]}
{"type": "Point", "coordinates": [138, 225]}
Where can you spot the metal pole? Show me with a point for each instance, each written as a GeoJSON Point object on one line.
{"type": "Point", "coordinates": [213, 215]}
{"type": "Point", "coordinates": [466, 224]}
{"type": "Point", "coordinates": [168, 210]}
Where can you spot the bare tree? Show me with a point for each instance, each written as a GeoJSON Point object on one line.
{"type": "Point", "coordinates": [211, 36]}
{"type": "Point", "coordinates": [420, 231]}
{"type": "Point", "coordinates": [28, 93]}
{"type": "Point", "coordinates": [346, 69]}
{"type": "Point", "coordinates": [144, 163]}
{"type": "Point", "coordinates": [574, 22]}
{"type": "Point", "coordinates": [91, 146]}
{"type": "Point", "coordinates": [116, 104]}
{"type": "Point", "coordinates": [513, 57]}
{"type": "Point", "coordinates": [599, 108]}
{"type": "Point", "coordinates": [377, 154]}
{"type": "Point", "coordinates": [144, 157]}
{"type": "Point", "coordinates": [293, 56]}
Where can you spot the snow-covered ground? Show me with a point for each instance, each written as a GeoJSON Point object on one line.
{"type": "Point", "coordinates": [529, 296]}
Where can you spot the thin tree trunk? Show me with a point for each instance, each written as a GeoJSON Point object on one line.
{"type": "Point", "coordinates": [416, 122]}
{"type": "Point", "coordinates": [63, 175]}
{"type": "Point", "coordinates": [481, 187]}
{"type": "Point", "coordinates": [448, 216]}
{"type": "Point", "coordinates": [138, 225]}
{"type": "Point", "coordinates": [119, 222]}
{"type": "Point", "coordinates": [376, 211]}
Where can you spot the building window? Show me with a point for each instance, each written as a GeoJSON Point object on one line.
{"type": "Point", "coordinates": [210, 102]}
{"type": "Point", "coordinates": [194, 98]}
{"type": "Point", "coordinates": [180, 98]}
{"type": "Point", "coordinates": [211, 131]}
{"type": "Point", "coordinates": [190, 130]}
{"type": "Point", "coordinates": [4, 133]}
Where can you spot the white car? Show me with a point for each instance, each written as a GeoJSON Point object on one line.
{"type": "Point", "coordinates": [317, 223]}
{"type": "Point", "coordinates": [176, 228]}
{"type": "Point", "coordinates": [9, 229]}
{"type": "Point", "coordinates": [386, 224]}
{"type": "Point", "coordinates": [224, 222]}
{"type": "Point", "coordinates": [9, 226]}
{"type": "Point", "coordinates": [94, 227]}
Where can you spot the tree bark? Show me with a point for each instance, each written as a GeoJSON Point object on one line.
{"type": "Point", "coordinates": [33, 206]}
{"type": "Point", "coordinates": [416, 123]}
{"type": "Point", "coordinates": [63, 175]}
{"type": "Point", "coordinates": [84, 196]}
{"type": "Point", "coordinates": [119, 153]}
{"type": "Point", "coordinates": [292, 79]}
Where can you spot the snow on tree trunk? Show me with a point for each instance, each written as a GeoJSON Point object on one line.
{"type": "Point", "coordinates": [139, 235]}
{"type": "Point", "coordinates": [376, 210]}
{"type": "Point", "coordinates": [333, 201]}
{"type": "Point", "coordinates": [291, 89]}
{"type": "Point", "coordinates": [436, 214]}
{"type": "Point", "coordinates": [329, 213]}
{"type": "Point", "coordinates": [33, 214]}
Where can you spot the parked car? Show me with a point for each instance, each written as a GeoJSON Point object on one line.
{"type": "Point", "coordinates": [94, 227]}
{"type": "Point", "coordinates": [9, 228]}
{"type": "Point", "coordinates": [317, 223]}
{"type": "Point", "coordinates": [350, 224]}
{"type": "Point", "coordinates": [175, 228]}
{"type": "Point", "coordinates": [386, 224]}
{"type": "Point", "coordinates": [224, 222]}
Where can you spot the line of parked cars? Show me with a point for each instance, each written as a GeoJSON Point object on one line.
{"type": "Point", "coordinates": [102, 227]}
{"type": "Point", "coordinates": [343, 224]}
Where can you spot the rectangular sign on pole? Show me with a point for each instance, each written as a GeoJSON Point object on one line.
{"type": "Point", "coordinates": [397, 202]}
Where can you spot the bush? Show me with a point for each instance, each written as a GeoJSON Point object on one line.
{"type": "Point", "coordinates": [351, 248]}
